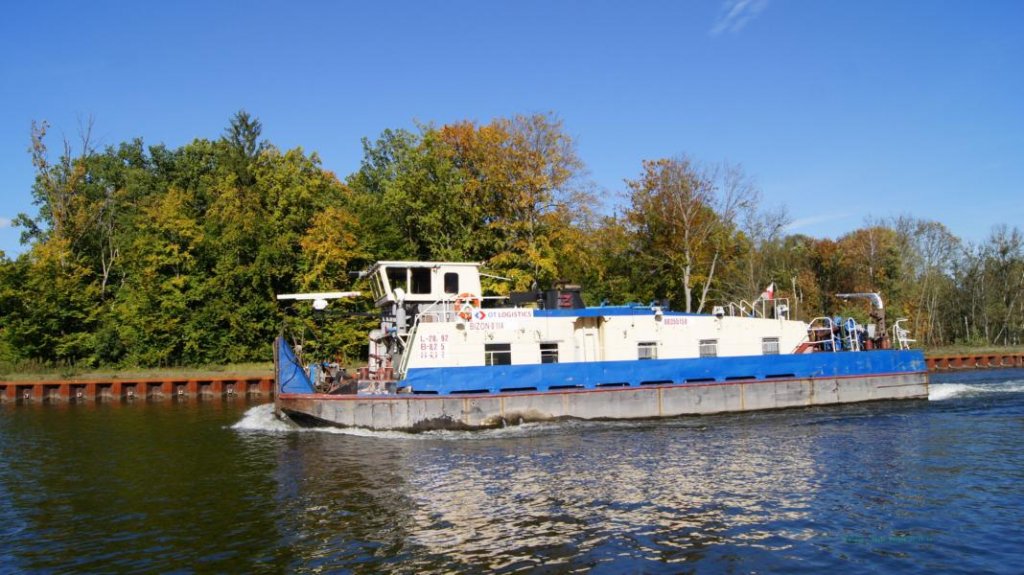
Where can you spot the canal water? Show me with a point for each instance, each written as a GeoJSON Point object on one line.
{"type": "Point", "coordinates": [895, 487]}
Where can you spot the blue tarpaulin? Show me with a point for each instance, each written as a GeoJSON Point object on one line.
{"type": "Point", "coordinates": [291, 378]}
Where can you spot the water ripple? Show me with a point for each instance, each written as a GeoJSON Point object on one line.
{"type": "Point", "coordinates": [902, 487]}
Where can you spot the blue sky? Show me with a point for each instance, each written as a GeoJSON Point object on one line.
{"type": "Point", "coordinates": [839, 110]}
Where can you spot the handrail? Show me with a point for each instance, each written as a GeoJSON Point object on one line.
{"type": "Point", "coordinates": [850, 327]}
{"type": "Point", "coordinates": [403, 364]}
{"type": "Point", "coordinates": [827, 327]}
{"type": "Point", "coordinates": [443, 310]}
{"type": "Point", "coordinates": [899, 335]}
{"type": "Point", "coordinates": [758, 308]}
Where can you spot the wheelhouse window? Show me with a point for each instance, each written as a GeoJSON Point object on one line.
{"type": "Point", "coordinates": [709, 348]}
{"type": "Point", "coordinates": [549, 353]}
{"type": "Point", "coordinates": [420, 283]}
{"type": "Point", "coordinates": [647, 350]}
{"type": "Point", "coordinates": [497, 354]}
{"type": "Point", "coordinates": [770, 346]}
{"type": "Point", "coordinates": [451, 283]}
{"type": "Point", "coordinates": [377, 286]}
{"type": "Point", "coordinates": [398, 278]}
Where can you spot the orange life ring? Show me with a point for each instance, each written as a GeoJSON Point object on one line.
{"type": "Point", "coordinates": [466, 305]}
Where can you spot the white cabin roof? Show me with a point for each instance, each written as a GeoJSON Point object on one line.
{"type": "Point", "coordinates": [417, 264]}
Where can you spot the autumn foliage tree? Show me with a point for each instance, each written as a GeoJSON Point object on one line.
{"type": "Point", "coordinates": [153, 256]}
{"type": "Point", "coordinates": [684, 217]}
{"type": "Point", "coordinates": [503, 193]}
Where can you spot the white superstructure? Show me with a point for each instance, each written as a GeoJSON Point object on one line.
{"type": "Point", "coordinates": [597, 334]}
{"type": "Point", "coordinates": [435, 316]}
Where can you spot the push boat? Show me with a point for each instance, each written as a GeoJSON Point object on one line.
{"type": "Point", "coordinates": [445, 357]}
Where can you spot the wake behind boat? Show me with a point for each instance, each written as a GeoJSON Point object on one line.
{"type": "Point", "coordinates": [444, 357]}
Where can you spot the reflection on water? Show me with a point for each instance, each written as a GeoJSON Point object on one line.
{"type": "Point", "coordinates": [901, 487]}
{"type": "Point", "coordinates": [659, 497]}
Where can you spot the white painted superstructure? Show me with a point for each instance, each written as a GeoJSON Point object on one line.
{"type": "Point", "coordinates": [622, 335]}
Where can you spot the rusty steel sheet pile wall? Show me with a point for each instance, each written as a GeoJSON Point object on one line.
{"type": "Point", "coordinates": [94, 390]}
{"type": "Point", "coordinates": [974, 361]}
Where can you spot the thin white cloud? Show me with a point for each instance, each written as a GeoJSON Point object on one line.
{"type": "Point", "coordinates": [814, 220]}
{"type": "Point", "coordinates": [736, 14]}
{"type": "Point", "coordinates": [5, 222]}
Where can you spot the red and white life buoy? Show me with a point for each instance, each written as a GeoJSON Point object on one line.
{"type": "Point", "coordinates": [466, 305]}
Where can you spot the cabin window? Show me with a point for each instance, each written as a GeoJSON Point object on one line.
{"type": "Point", "coordinates": [647, 350]}
{"type": "Point", "coordinates": [709, 348]}
{"type": "Point", "coordinates": [770, 346]}
{"type": "Point", "coordinates": [549, 353]}
{"type": "Point", "coordinates": [398, 279]}
{"type": "Point", "coordinates": [420, 280]}
{"type": "Point", "coordinates": [377, 287]}
{"type": "Point", "coordinates": [451, 282]}
{"type": "Point", "coordinates": [497, 354]}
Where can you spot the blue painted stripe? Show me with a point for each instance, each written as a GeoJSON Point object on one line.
{"type": "Point", "coordinates": [589, 375]}
{"type": "Point", "coordinates": [607, 311]}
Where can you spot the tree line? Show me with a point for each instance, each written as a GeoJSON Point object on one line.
{"type": "Point", "coordinates": [150, 256]}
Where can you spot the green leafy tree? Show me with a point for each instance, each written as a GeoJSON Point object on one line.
{"type": "Point", "coordinates": [683, 216]}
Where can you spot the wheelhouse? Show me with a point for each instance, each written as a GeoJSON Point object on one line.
{"type": "Point", "coordinates": [422, 282]}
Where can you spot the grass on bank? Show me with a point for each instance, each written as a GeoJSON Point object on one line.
{"type": "Point", "coordinates": [973, 350]}
{"type": "Point", "coordinates": [39, 372]}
